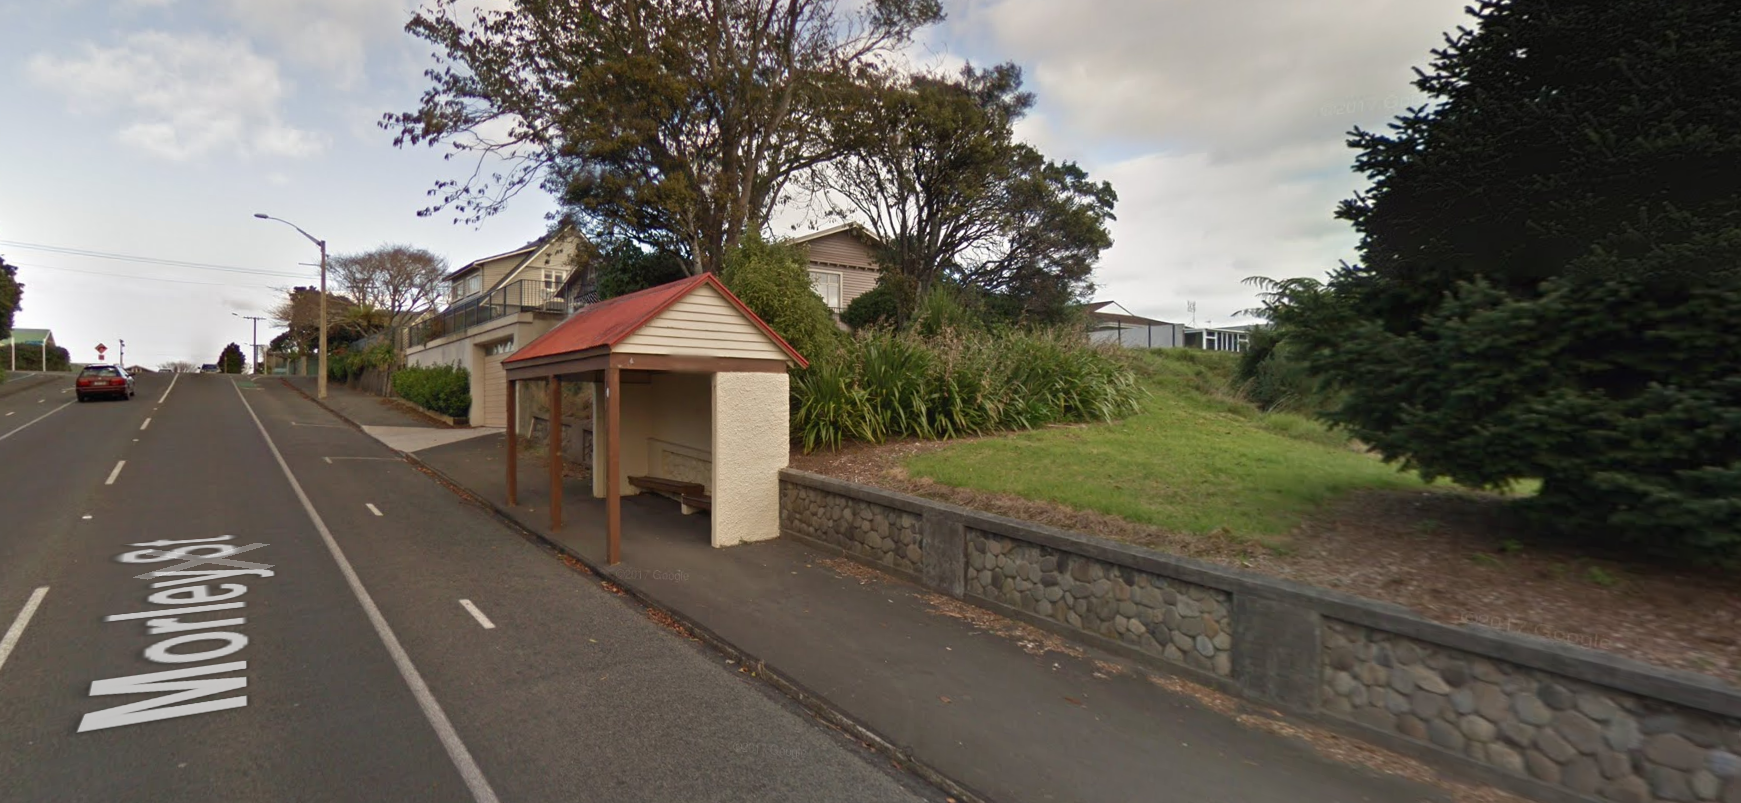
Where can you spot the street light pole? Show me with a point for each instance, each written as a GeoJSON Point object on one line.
{"type": "Point", "coordinates": [320, 382]}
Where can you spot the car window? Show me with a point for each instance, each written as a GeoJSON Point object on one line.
{"type": "Point", "coordinates": [103, 370]}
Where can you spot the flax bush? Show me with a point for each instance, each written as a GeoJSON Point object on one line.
{"type": "Point", "coordinates": [882, 384]}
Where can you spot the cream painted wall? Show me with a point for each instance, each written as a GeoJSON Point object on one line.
{"type": "Point", "coordinates": [751, 433]}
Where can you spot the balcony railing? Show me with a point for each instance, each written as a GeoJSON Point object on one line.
{"type": "Point", "coordinates": [526, 295]}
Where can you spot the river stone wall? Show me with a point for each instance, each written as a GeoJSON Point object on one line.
{"type": "Point", "coordinates": [881, 535]}
{"type": "Point", "coordinates": [1549, 720]}
{"type": "Point", "coordinates": [1179, 622]}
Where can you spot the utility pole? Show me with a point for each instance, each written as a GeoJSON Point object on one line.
{"type": "Point", "coordinates": [256, 319]}
{"type": "Point", "coordinates": [120, 357]}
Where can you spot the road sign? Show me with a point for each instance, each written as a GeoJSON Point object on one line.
{"type": "Point", "coordinates": [100, 349]}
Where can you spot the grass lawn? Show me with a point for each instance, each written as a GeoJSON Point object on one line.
{"type": "Point", "coordinates": [1196, 460]}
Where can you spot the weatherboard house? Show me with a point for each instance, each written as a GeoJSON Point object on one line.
{"type": "Point", "coordinates": [690, 400]}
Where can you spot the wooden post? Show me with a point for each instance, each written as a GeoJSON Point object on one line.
{"type": "Point", "coordinates": [513, 443]}
{"type": "Point", "coordinates": [613, 455]}
{"type": "Point", "coordinates": [555, 452]}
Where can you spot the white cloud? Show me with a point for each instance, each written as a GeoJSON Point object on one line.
{"type": "Point", "coordinates": [335, 37]}
{"type": "Point", "coordinates": [190, 95]}
{"type": "Point", "coordinates": [1221, 125]}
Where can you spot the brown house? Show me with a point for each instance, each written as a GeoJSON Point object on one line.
{"type": "Point", "coordinates": [842, 263]}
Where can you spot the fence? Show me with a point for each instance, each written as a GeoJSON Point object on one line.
{"type": "Point", "coordinates": [513, 298]}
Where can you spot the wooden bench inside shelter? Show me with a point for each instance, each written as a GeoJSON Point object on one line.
{"type": "Point", "coordinates": [690, 494]}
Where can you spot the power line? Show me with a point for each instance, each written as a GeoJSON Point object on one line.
{"type": "Point", "coordinates": [175, 263]}
{"type": "Point", "coordinates": [141, 278]}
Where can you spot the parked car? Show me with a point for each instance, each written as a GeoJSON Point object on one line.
{"type": "Point", "coordinates": [103, 381]}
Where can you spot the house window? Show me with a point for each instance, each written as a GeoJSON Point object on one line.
{"type": "Point", "coordinates": [503, 347]}
{"type": "Point", "coordinates": [468, 286]}
{"type": "Point", "coordinates": [553, 278]}
{"type": "Point", "coordinates": [826, 284]}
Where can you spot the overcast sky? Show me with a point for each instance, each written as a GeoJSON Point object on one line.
{"type": "Point", "coordinates": [155, 128]}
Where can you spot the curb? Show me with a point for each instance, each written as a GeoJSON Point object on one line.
{"type": "Point", "coordinates": [816, 704]}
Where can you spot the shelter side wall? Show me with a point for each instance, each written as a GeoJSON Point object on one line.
{"type": "Point", "coordinates": [751, 432]}
{"type": "Point", "coordinates": [701, 324]}
{"type": "Point", "coordinates": [636, 419]}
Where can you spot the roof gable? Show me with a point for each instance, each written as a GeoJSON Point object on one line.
{"type": "Point", "coordinates": [607, 324]}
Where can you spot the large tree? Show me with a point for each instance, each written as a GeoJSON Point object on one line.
{"type": "Point", "coordinates": [1549, 282]}
{"type": "Point", "coordinates": [11, 292]}
{"type": "Point", "coordinates": [675, 122]}
{"type": "Point", "coordinates": [399, 280]}
{"type": "Point", "coordinates": [936, 172]}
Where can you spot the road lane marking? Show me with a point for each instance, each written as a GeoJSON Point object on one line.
{"type": "Point", "coordinates": [456, 749]}
{"type": "Point", "coordinates": [144, 425]}
{"type": "Point", "coordinates": [171, 387]}
{"type": "Point", "coordinates": [16, 631]}
{"type": "Point", "coordinates": [115, 473]}
{"type": "Point", "coordinates": [477, 614]}
{"type": "Point", "coordinates": [21, 427]}
{"type": "Point", "coordinates": [373, 509]}
{"type": "Point", "coordinates": [10, 413]}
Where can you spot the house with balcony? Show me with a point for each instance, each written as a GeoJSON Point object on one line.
{"type": "Point", "coordinates": [495, 305]}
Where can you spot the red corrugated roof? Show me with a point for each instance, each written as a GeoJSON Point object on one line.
{"type": "Point", "coordinates": [606, 323]}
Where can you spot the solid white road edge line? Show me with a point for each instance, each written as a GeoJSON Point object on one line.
{"type": "Point", "coordinates": [115, 473]}
{"type": "Point", "coordinates": [373, 509]}
{"type": "Point", "coordinates": [477, 614]}
{"type": "Point", "coordinates": [16, 631]}
{"type": "Point", "coordinates": [456, 749]}
{"type": "Point", "coordinates": [172, 378]}
{"type": "Point", "coordinates": [21, 427]}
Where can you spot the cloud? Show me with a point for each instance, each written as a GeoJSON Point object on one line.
{"type": "Point", "coordinates": [336, 37]}
{"type": "Point", "coordinates": [1221, 125]}
{"type": "Point", "coordinates": [189, 95]}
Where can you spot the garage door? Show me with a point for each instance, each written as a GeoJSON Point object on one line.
{"type": "Point", "coordinates": [494, 410]}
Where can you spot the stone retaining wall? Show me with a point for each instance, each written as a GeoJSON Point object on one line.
{"type": "Point", "coordinates": [1179, 622]}
{"type": "Point", "coordinates": [880, 535]}
{"type": "Point", "coordinates": [1546, 719]}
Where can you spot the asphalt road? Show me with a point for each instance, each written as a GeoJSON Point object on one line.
{"type": "Point", "coordinates": [351, 670]}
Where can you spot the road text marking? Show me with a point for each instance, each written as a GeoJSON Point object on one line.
{"type": "Point", "coordinates": [34, 420]}
{"type": "Point", "coordinates": [373, 509]}
{"type": "Point", "coordinates": [444, 730]}
{"type": "Point", "coordinates": [115, 473]}
{"type": "Point", "coordinates": [16, 631]}
{"type": "Point", "coordinates": [144, 425]}
{"type": "Point", "coordinates": [477, 614]}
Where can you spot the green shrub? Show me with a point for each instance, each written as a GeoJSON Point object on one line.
{"type": "Point", "coordinates": [885, 384]}
{"type": "Point", "coordinates": [445, 389]}
{"type": "Point", "coordinates": [773, 280]}
{"type": "Point", "coordinates": [879, 307]}
{"type": "Point", "coordinates": [624, 268]}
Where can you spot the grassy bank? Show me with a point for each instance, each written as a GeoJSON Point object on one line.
{"type": "Point", "coordinates": [1197, 459]}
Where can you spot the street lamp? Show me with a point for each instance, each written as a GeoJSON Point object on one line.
{"type": "Point", "coordinates": [320, 383]}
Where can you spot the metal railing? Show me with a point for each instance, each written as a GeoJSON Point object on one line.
{"type": "Point", "coordinates": [526, 295]}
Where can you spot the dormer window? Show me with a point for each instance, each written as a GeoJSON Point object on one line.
{"type": "Point", "coordinates": [466, 287]}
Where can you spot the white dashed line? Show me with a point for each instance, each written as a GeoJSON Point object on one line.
{"type": "Point", "coordinates": [36, 419]}
{"type": "Point", "coordinates": [457, 752]}
{"type": "Point", "coordinates": [144, 425]}
{"type": "Point", "coordinates": [477, 614]}
{"type": "Point", "coordinates": [170, 388]}
{"type": "Point", "coordinates": [17, 630]}
{"type": "Point", "coordinates": [373, 509]}
{"type": "Point", "coordinates": [115, 473]}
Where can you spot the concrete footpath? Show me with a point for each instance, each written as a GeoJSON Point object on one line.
{"type": "Point", "coordinates": [988, 708]}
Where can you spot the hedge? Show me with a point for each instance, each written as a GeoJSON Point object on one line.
{"type": "Point", "coordinates": [444, 389]}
